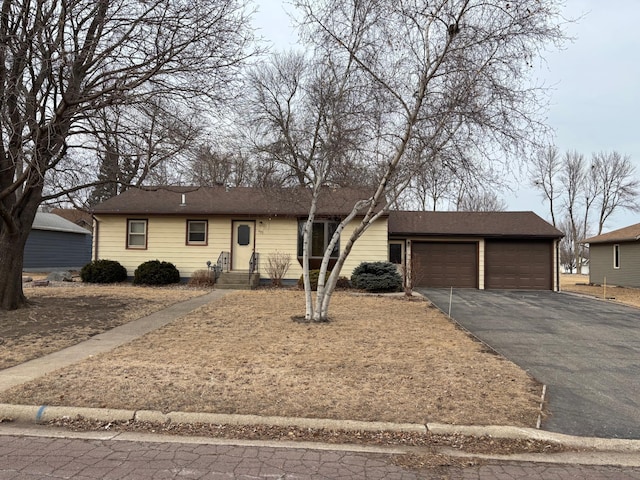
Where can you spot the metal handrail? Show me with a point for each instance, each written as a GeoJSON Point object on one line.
{"type": "Point", "coordinates": [253, 263]}
{"type": "Point", "coordinates": [223, 262]}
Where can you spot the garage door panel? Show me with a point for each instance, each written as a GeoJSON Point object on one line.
{"type": "Point", "coordinates": [518, 265]}
{"type": "Point", "coordinates": [440, 265]}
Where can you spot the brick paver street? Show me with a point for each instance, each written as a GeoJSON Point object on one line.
{"type": "Point", "coordinates": [25, 457]}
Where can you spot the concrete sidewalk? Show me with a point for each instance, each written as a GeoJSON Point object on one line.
{"type": "Point", "coordinates": [103, 342]}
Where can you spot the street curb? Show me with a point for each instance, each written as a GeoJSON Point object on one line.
{"type": "Point", "coordinates": [40, 414]}
{"type": "Point", "coordinates": [511, 432]}
{"type": "Point", "coordinates": [44, 413]}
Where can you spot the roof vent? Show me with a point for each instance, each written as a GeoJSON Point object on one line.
{"type": "Point", "coordinates": [184, 200]}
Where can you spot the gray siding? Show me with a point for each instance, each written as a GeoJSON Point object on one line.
{"type": "Point", "coordinates": [49, 250]}
{"type": "Point", "coordinates": [601, 264]}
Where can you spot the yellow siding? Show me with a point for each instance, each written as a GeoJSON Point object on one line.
{"type": "Point", "coordinates": [166, 241]}
{"type": "Point", "coordinates": [278, 234]}
{"type": "Point", "coordinates": [281, 235]}
{"type": "Point", "coordinates": [372, 246]}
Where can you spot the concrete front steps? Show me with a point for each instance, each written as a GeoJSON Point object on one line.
{"type": "Point", "coordinates": [237, 280]}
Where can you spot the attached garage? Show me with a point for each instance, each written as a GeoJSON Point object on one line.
{"type": "Point", "coordinates": [440, 264]}
{"type": "Point", "coordinates": [518, 265]}
{"type": "Point", "coordinates": [498, 250]}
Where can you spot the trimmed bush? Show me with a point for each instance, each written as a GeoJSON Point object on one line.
{"type": "Point", "coordinates": [103, 271]}
{"type": "Point", "coordinates": [155, 272]}
{"type": "Point", "coordinates": [377, 277]}
{"type": "Point", "coordinates": [343, 283]}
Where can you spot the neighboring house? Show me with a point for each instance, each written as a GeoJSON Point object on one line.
{"type": "Point", "coordinates": [240, 227]}
{"type": "Point", "coordinates": [56, 244]}
{"type": "Point", "coordinates": [79, 217]}
{"type": "Point", "coordinates": [614, 257]}
{"type": "Point", "coordinates": [485, 250]}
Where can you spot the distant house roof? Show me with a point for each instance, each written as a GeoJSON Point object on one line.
{"type": "Point", "coordinates": [229, 201]}
{"type": "Point", "coordinates": [474, 224]}
{"type": "Point", "coordinates": [626, 234]}
{"type": "Point", "coordinates": [74, 215]}
{"type": "Point", "coordinates": [53, 222]}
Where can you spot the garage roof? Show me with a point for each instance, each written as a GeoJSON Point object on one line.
{"type": "Point", "coordinates": [52, 222]}
{"type": "Point", "coordinates": [626, 234]}
{"type": "Point", "coordinates": [472, 224]}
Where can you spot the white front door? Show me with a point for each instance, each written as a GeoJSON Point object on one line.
{"type": "Point", "coordinates": [243, 243]}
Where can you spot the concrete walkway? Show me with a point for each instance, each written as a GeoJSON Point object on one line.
{"type": "Point", "coordinates": [103, 342]}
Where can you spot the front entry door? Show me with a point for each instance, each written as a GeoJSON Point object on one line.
{"type": "Point", "coordinates": [242, 245]}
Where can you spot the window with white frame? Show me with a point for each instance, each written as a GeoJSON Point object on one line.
{"type": "Point", "coordinates": [197, 232]}
{"type": "Point", "coordinates": [616, 256]}
{"type": "Point", "coordinates": [137, 234]}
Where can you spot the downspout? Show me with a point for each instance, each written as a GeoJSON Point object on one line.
{"type": "Point", "coordinates": [96, 230]}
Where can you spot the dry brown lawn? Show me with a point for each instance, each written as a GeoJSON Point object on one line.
{"type": "Point", "coordinates": [380, 358]}
{"type": "Point", "coordinates": [63, 315]}
{"type": "Point", "coordinates": [580, 284]}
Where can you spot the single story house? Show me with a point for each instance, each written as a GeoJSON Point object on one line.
{"type": "Point", "coordinates": [56, 244]}
{"type": "Point", "coordinates": [240, 228]}
{"type": "Point", "coordinates": [614, 257]}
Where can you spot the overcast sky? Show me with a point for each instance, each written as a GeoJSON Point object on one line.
{"type": "Point", "coordinates": [594, 80]}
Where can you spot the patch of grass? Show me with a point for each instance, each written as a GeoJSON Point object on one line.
{"type": "Point", "coordinates": [379, 359]}
{"type": "Point", "coordinates": [580, 284]}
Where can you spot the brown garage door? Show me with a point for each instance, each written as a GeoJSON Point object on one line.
{"type": "Point", "coordinates": [518, 265]}
{"type": "Point", "coordinates": [441, 265]}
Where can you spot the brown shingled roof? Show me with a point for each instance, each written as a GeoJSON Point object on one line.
{"type": "Point", "coordinates": [626, 234]}
{"type": "Point", "coordinates": [78, 217]}
{"type": "Point", "coordinates": [480, 224]}
{"type": "Point", "coordinates": [229, 201]}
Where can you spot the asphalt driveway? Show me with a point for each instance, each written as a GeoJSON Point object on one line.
{"type": "Point", "coordinates": [585, 350]}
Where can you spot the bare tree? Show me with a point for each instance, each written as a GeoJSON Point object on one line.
{"type": "Point", "coordinates": [63, 61]}
{"type": "Point", "coordinates": [618, 185]}
{"type": "Point", "coordinates": [567, 246]}
{"type": "Point", "coordinates": [574, 188]}
{"type": "Point", "coordinates": [216, 165]}
{"type": "Point", "coordinates": [308, 123]}
{"type": "Point", "coordinates": [545, 169]}
{"type": "Point", "coordinates": [445, 76]}
{"type": "Point", "coordinates": [480, 200]}
{"type": "Point", "coordinates": [138, 144]}
{"type": "Point", "coordinates": [432, 183]}
{"type": "Point", "coordinates": [580, 194]}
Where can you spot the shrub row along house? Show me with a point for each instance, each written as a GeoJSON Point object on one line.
{"type": "Point", "coordinates": [239, 228]}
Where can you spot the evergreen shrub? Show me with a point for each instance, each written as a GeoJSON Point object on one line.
{"type": "Point", "coordinates": [155, 272]}
{"type": "Point", "coordinates": [103, 271]}
{"type": "Point", "coordinates": [376, 277]}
